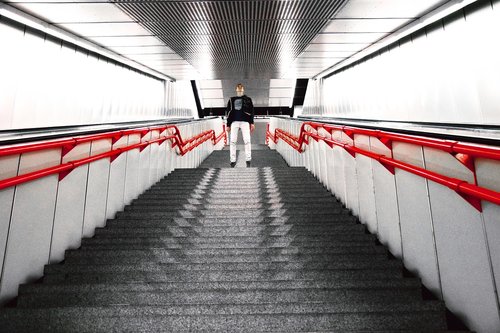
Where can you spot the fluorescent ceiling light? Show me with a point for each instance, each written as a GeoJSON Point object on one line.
{"type": "Point", "coordinates": [26, 19]}
{"type": "Point", "coordinates": [437, 14]}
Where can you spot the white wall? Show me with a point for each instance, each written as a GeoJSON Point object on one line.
{"type": "Point", "coordinates": [41, 219]}
{"type": "Point", "coordinates": [450, 74]}
{"type": "Point", "coordinates": [181, 102]}
{"type": "Point", "coordinates": [44, 82]}
{"type": "Point", "coordinates": [440, 237]}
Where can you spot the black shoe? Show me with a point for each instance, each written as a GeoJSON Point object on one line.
{"type": "Point", "coordinates": [233, 164]}
{"type": "Point", "coordinates": [248, 164]}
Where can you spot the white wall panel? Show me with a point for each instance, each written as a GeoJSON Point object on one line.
{"type": "Point", "coordinates": [367, 211]}
{"type": "Point", "coordinates": [132, 185]}
{"type": "Point", "coordinates": [467, 284]}
{"type": "Point", "coordinates": [145, 163]}
{"type": "Point", "coordinates": [10, 80]}
{"type": "Point", "coordinates": [338, 166]}
{"type": "Point", "coordinates": [44, 84]}
{"type": "Point", "coordinates": [443, 239]}
{"type": "Point", "coordinates": [463, 261]}
{"type": "Point", "coordinates": [417, 229]}
{"type": "Point", "coordinates": [351, 179]}
{"type": "Point", "coordinates": [389, 229]}
{"type": "Point", "coordinates": [70, 205]}
{"type": "Point", "coordinates": [8, 168]}
{"type": "Point", "coordinates": [30, 229]}
{"type": "Point", "coordinates": [117, 175]}
{"type": "Point", "coordinates": [154, 171]}
{"type": "Point", "coordinates": [488, 175]}
{"type": "Point", "coordinates": [446, 74]}
{"type": "Point", "coordinates": [97, 189]}
{"type": "Point", "coordinates": [486, 23]}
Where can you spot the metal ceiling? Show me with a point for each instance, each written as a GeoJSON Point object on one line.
{"type": "Point", "coordinates": [248, 41]}
{"type": "Point", "coordinates": [235, 39]}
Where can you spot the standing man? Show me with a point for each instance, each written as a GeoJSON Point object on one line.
{"type": "Point", "coordinates": [240, 116]}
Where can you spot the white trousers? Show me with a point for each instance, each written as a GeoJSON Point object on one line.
{"type": "Point", "coordinates": [245, 131]}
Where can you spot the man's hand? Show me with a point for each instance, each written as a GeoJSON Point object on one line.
{"type": "Point", "coordinates": [252, 127]}
{"type": "Point", "coordinates": [228, 128]}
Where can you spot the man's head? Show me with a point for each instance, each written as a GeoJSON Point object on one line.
{"type": "Point", "coordinates": [240, 90]}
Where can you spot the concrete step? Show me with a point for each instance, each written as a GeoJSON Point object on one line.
{"type": "Point", "coordinates": [218, 296]}
{"type": "Point", "coordinates": [147, 276]}
{"type": "Point", "coordinates": [235, 242]}
{"type": "Point", "coordinates": [230, 231]}
{"type": "Point", "coordinates": [222, 221]}
{"type": "Point", "coordinates": [362, 263]}
{"type": "Point", "coordinates": [47, 289]}
{"type": "Point", "coordinates": [223, 196]}
{"type": "Point", "coordinates": [236, 213]}
{"type": "Point", "coordinates": [168, 257]}
{"type": "Point", "coordinates": [253, 184]}
{"type": "Point", "coordinates": [173, 200]}
{"type": "Point", "coordinates": [288, 317]}
{"type": "Point", "coordinates": [237, 189]}
{"type": "Point", "coordinates": [291, 250]}
{"type": "Point", "coordinates": [234, 204]}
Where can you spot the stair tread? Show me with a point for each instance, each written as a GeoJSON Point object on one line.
{"type": "Point", "coordinates": [226, 250]}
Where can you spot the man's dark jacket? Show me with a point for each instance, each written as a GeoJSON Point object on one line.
{"type": "Point", "coordinates": [240, 110]}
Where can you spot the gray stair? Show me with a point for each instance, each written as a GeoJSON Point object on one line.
{"type": "Point", "coordinates": [216, 249]}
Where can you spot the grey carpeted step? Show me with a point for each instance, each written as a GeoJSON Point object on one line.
{"type": "Point", "coordinates": [223, 221]}
{"type": "Point", "coordinates": [358, 283]}
{"type": "Point", "coordinates": [234, 204]}
{"type": "Point", "coordinates": [228, 250]}
{"type": "Point", "coordinates": [291, 250]}
{"type": "Point", "coordinates": [145, 276]}
{"type": "Point", "coordinates": [237, 213]}
{"type": "Point", "coordinates": [213, 309]}
{"type": "Point", "coordinates": [235, 242]}
{"type": "Point", "coordinates": [173, 200]}
{"type": "Point", "coordinates": [369, 293]}
{"type": "Point", "coordinates": [237, 231]}
{"type": "Point", "coordinates": [182, 243]}
{"type": "Point", "coordinates": [363, 262]}
{"type": "Point", "coordinates": [411, 319]}
{"type": "Point", "coordinates": [262, 195]}
{"type": "Point", "coordinates": [180, 257]}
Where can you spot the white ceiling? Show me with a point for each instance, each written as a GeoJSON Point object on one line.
{"type": "Point", "coordinates": [350, 29]}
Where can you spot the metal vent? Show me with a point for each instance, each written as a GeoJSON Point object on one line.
{"type": "Point", "coordinates": [235, 39]}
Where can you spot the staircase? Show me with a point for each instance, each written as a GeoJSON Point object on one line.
{"type": "Point", "coordinates": [228, 250]}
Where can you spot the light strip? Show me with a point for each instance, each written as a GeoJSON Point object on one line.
{"type": "Point", "coordinates": [26, 19]}
{"type": "Point", "coordinates": [437, 14]}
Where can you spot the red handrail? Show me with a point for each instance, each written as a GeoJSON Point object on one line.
{"type": "Point", "coordinates": [449, 146]}
{"type": "Point", "coordinates": [469, 191]}
{"type": "Point", "coordinates": [184, 146]}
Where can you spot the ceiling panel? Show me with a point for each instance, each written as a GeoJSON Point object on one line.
{"type": "Point", "coordinates": [225, 42]}
{"type": "Point", "coordinates": [106, 29]}
{"type": "Point", "coordinates": [243, 39]}
{"type": "Point", "coordinates": [141, 49]}
{"type": "Point", "coordinates": [76, 13]}
{"type": "Point", "coordinates": [281, 83]}
{"type": "Point", "coordinates": [325, 54]}
{"type": "Point", "coordinates": [365, 25]}
{"type": "Point", "coordinates": [154, 56]}
{"type": "Point", "coordinates": [209, 84]}
{"type": "Point", "coordinates": [348, 38]}
{"type": "Point", "coordinates": [212, 93]}
{"type": "Point", "coordinates": [128, 41]}
{"type": "Point", "coordinates": [338, 47]}
{"type": "Point", "coordinates": [387, 8]}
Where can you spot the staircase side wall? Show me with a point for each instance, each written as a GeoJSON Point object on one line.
{"type": "Point", "coordinates": [41, 219]}
{"type": "Point", "coordinates": [442, 238]}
